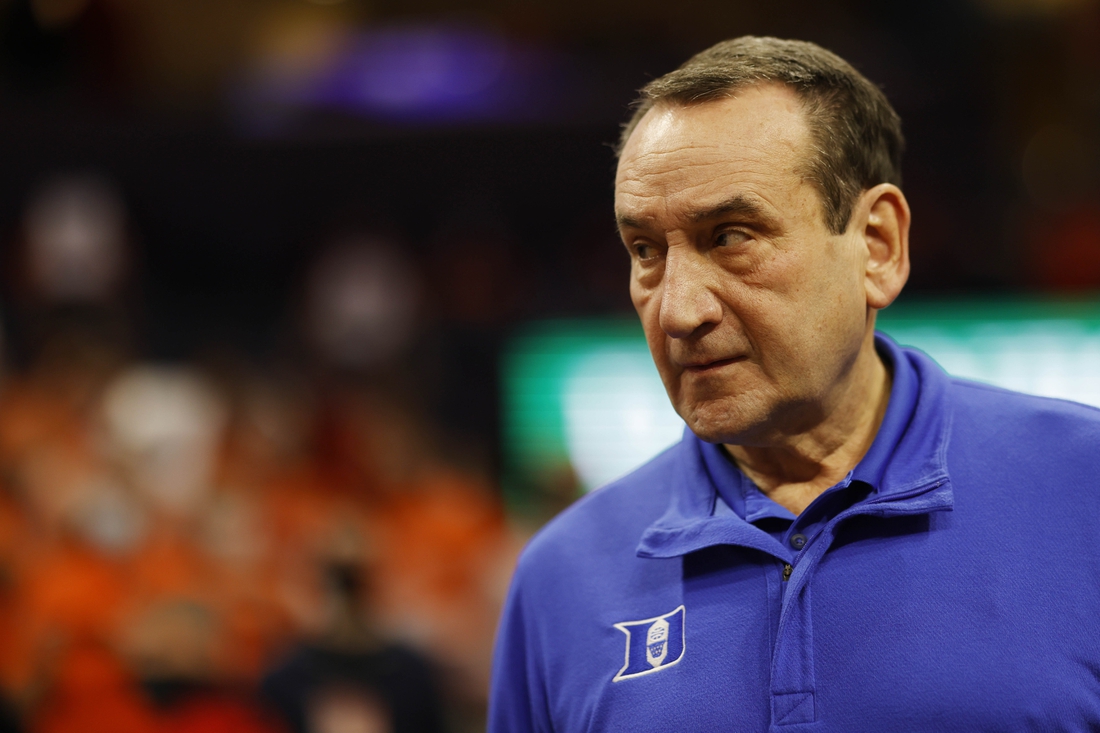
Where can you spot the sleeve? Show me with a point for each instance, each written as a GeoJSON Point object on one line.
{"type": "Point", "coordinates": [517, 693]}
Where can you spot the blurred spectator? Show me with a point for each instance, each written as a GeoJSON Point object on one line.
{"type": "Point", "coordinates": [348, 678]}
{"type": "Point", "coordinates": [164, 426]}
{"type": "Point", "coordinates": [70, 285]}
{"type": "Point", "coordinates": [437, 548]}
{"type": "Point", "coordinates": [75, 231]}
{"type": "Point", "coordinates": [361, 305]}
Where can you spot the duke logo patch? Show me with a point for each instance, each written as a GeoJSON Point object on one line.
{"type": "Point", "coordinates": [652, 644]}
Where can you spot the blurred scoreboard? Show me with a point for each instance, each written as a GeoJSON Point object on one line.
{"type": "Point", "coordinates": [583, 403]}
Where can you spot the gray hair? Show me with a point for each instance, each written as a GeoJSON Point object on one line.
{"type": "Point", "coordinates": [856, 139]}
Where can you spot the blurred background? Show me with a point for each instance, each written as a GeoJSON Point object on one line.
{"type": "Point", "coordinates": [313, 311]}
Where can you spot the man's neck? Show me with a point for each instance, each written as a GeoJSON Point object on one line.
{"type": "Point", "coordinates": [797, 469]}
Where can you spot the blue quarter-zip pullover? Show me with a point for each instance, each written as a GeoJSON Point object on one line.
{"type": "Point", "coordinates": [950, 583]}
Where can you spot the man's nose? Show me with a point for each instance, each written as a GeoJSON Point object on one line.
{"type": "Point", "coordinates": [688, 301]}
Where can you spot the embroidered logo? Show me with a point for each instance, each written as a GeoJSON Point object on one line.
{"type": "Point", "coordinates": [652, 644]}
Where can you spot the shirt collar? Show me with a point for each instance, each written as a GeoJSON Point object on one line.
{"type": "Point", "coordinates": [899, 413]}
{"type": "Point", "coordinates": [734, 488]}
{"type": "Point", "coordinates": [906, 460]}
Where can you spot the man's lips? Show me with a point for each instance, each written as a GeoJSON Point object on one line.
{"type": "Point", "coordinates": [701, 367]}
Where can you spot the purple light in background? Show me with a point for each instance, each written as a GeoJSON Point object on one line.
{"type": "Point", "coordinates": [414, 74]}
{"type": "Point", "coordinates": [421, 69]}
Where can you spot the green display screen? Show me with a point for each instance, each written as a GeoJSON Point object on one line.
{"type": "Point", "coordinates": [583, 403]}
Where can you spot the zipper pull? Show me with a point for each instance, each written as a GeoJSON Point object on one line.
{"type": "Point", "coordinates": [786, 572]}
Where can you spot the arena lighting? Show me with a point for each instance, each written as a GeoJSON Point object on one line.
{"type": "Point", "coordinates": [585, 396]}
{"type": "Point", "coordinates": [414, 74]}
{"type": "Point", "coordinates": [419, 71]}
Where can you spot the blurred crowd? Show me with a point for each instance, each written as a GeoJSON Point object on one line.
{"type": "Point", "coordinates": [218, 547]}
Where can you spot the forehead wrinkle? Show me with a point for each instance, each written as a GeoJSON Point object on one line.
{"type": "Point", "coordinates": [641, 216]}
{"type": "Point", "coordinates": [688, 206]}
{"type": "Point", "coordinates": [664, 174]}
{"type": "Point", "coordinates": [649, 163]}
{"type": "Point", "coordinates": [660, 173]}
{"type": "Point", "coordinates": [670, 184]}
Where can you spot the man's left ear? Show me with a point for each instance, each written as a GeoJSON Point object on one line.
{"type": "Point", "coordinates": [882, 217]}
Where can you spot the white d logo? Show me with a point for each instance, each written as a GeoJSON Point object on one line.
{"type": "Point", "coordinates": [656, 643]}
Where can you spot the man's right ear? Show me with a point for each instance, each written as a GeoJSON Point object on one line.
{"type": "Point", "coordinates": [882, 215]}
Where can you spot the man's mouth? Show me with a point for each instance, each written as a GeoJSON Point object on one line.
{"type": "Point", "coordinates": [704, 367]}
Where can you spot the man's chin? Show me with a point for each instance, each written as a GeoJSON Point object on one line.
{"type": "Point", "coordinates": [720, 422]}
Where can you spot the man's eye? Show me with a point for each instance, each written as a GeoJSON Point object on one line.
{"type": "Point", "coordinates": [645, 251]}
{"type": "Point", "coordinates": [730, 238]}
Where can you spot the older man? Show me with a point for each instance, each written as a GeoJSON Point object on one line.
{"type": "Point", "coordinates": [846, 539]}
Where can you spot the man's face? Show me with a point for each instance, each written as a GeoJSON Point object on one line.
{"type": "Point", "coordinates": [754, 312]}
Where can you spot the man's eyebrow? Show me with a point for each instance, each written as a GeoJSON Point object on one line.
{"type": "Point", "coordinates": [627, 222]}
{"type": "Point", "coordinates": [740, 205]}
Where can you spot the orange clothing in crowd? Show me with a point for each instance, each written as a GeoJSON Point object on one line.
{"type": "Point", "coordinates": [214, 593]}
